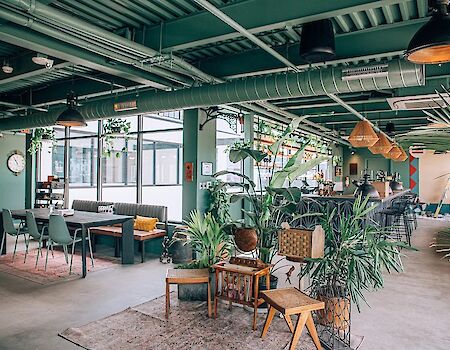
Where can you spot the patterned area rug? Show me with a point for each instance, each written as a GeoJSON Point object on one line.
{"type": "Point", "coordinates": [145, 327]}
{"type": "Point", "coordinates": [57, 269]}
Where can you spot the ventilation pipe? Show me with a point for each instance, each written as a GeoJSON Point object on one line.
{"type": "Point", "coordinates": [279, 86]}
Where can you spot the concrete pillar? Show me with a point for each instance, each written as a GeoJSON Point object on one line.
{"type": "Point", "coordinates": [198, 146]}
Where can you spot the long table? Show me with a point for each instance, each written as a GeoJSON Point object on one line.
{"type": "Point", "coordinates": [85, 220]}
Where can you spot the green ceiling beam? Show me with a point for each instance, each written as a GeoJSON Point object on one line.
{"type": "Point", "coordinates": [381, 41]}
{"type": "Point", "coordinates": [34, 41]}
{"type": "Point", "coordinates": [255, 15]}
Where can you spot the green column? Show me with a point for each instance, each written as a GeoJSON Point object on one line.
{"type": "Point", "coordinates": [198, 146]}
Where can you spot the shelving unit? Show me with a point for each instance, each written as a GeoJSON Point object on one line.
{"type": "Point", "coordinates": [49, 192]}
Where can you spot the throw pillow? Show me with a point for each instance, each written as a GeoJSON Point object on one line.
{"type": "Point", "coordinates": [143, 223]}
{"type": "Point", "coordinates": [106, 209]}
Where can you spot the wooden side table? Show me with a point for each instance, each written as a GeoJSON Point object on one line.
{"type": "Point", "coordinates": [187, 276]}
{"type": "Point", "coordinates": [237, 281]}
{"type": "Point", "coordinates": [291, 301]}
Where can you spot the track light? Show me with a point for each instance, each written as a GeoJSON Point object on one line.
{"type": "Point", "coordinates": [42, 60]}
{"type": "Point", "coordinates": [6, 68]}
{"type": "Point", "coordinates": [431, 43]}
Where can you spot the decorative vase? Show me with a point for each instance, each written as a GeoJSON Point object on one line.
{"type": "Point", "coordinates": [246, 238]}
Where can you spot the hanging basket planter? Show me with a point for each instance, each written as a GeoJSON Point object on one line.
{"type": "Point", "coordinates": [363, 135]}
{"type": "Point", "coordinates": [383, 145]}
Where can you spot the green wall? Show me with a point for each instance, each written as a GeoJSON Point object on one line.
{"type": "Point", "coordinates": [365, 159]}
{"type": "Point", "coordinates": [12, 187]}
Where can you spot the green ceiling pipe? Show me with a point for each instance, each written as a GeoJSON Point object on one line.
{"type": "Point", "coordinates": [269, 87]}
{"type": "Point", "coordinates": [47, 13]}
{"type": "Point", "coordinates": [91, 46]}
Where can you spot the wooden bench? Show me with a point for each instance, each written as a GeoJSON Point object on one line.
{"type": "Point", "coordinates": [131, 209]}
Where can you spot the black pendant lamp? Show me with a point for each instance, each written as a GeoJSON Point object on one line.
{"type": "Point", "coordinates": [431, 43]}
{"type": "Point", "coordinates": [71, 117]}
{"type": "Point", "coordinates": [317, 42]}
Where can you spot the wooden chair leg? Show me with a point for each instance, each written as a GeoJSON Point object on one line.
{"type": "Point", "coordinates": [209, 299]}
{"type": "Point", "coordinates": [255, 305]}
{"type": "Point", "coordinates": [216, 293]}
{"type": "Point", "coordinates": [167, 299]}
{"type": "Point", "coordinates": [269, 319]}
{"type": "Point", "coordinates": [288, 320]}
{"type": "Point", "coordinates": [313, 331]}
{"type": "Point", "coordinates": [298, 329]}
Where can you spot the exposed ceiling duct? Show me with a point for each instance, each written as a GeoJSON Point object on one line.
{"type": "Point", "coordinates": [278, 86]}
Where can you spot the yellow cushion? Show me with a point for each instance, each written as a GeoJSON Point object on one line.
{"type": "Point", "coordinates": [143, 223]}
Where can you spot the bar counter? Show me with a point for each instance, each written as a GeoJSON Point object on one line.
{"type": "Point", "coordinates": [343, 204]}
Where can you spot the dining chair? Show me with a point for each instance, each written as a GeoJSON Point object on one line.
{"type": "Point", "coordinates": [33, 232]}
{"type": "Point", "coordinates": [59, 236]}
{"type": "Point", "coordinates": [10, 229]}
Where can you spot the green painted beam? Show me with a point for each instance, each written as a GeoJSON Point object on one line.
{"type": "Point", "coordinates": [384, 40]}
{"type": "Point", "coordinates": [255, 15]}
{"type": "Point", "coordinates": [32, 40]}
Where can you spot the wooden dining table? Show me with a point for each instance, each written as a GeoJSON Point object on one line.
{"type": "Point", "coordinates": [84, 220]}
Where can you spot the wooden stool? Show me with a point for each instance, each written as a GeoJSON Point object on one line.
{"type": "Point", "coordinates": [291, 301]}
{"type": "Point", "coordinates": [187, 276]}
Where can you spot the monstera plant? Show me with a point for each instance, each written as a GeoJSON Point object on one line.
{"type": "Point", "coordinates": [269, 206]}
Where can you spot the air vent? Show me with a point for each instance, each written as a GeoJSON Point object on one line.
{"type": "Point", "coordinates": [376, 71]}
{"type": "Point", "coordinates": [417, 102]}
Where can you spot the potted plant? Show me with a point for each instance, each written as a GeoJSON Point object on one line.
{"type": "Point", "coordinates": [114, 128]}
{"type": "Point", "coordinates": [40, 135]}
{"type": "Point", "coordinates": [210, 244]}
{"type": "Point", "coordinates": [355, 257]}
{"type": "Point", "coordinates": [272, 204]}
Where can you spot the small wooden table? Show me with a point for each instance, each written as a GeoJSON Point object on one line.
{"type": "Point", "coordinates": [187, 276]}
{"type": "Point", "coordinates": [238, 282]}
{"type": "Point", "coordinates": [291, 301]}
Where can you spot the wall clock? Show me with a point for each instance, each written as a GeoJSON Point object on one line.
{"type": "Point", "coordinates": [16, 162]}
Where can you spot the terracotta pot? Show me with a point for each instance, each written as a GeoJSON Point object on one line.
{"type": "Point", "coordinates": [246, 238]}
{"type": "Point", "coordinates": [336, 312]}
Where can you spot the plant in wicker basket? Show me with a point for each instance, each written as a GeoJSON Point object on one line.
{"type": "Point", "coordinates": [355, 257]}
{"type": "Point", "coordinates": [270, 205]}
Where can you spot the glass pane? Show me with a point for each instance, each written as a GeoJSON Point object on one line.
{"type": "Point", "coordinates": [147, 163]}
{"type": "Point", "coordinates": [166, 163]}
{"type": "Point", "coordinates": [225, 137]}
{"type": "Point", "coordinates": [83, 162]}
{"type": "Point", "coordinates": [169, 196]}
{"type": "Point", "coordinates": [51, 160]}
{"type": "Point", "coordinates": [164, 121]}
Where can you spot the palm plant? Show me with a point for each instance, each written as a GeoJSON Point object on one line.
{"type": "Point", "coordinates": [270, 205]}
{"type": "Point", "coordinates": [356, 255]}
{"type": "Point", "coordinates": [208, 240]}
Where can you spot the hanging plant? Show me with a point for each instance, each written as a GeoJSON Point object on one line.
{"type": "Point", "coordinates": [40, 135]}
{"type": "Point", "coordinates": [114, 128]}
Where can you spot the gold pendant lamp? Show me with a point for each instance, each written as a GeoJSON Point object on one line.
{"type": "Point", "coordinates": [395, 152]}
{"type": "Point", "coordinates": [382, 146]}
{"type": "Point", "coordinates": [363, 135]}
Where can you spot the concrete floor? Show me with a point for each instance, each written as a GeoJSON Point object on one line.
{"type": "Point", "coordinates": [412, 312]}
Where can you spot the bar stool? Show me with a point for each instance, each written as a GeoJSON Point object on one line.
{"type": "Point", "coordinates": [291, 301]}
{"type": "Point", "coordinates": [395, 218]}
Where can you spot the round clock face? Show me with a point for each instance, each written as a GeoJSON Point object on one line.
{"type": "Point", "coordinates": [16, 163]}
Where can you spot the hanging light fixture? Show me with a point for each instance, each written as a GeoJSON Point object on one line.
{"type": "Point", "coordinates": [7, 68]}
{"type": "Point", "coordinates": [71, 117]}
{"type": "Point", "coordinates": [363, 135]}
{"type": "Point", "coordinates": [395, 152]}
{"type": "Point", "coordinates": [317, 42]}
{"type": "Point", "coordinates": [431, 43]}
{"type": "Point", "coordinates": [383, 145]}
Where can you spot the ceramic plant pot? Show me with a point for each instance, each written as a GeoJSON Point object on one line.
{"type": "Point", "coordinates": [246, 238]}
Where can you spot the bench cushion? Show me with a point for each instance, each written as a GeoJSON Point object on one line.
{"type": "Point", "coordinates": [138, 235]}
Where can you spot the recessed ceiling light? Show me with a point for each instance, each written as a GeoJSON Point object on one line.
{"type": "Point", "coordinates": [6, 68]}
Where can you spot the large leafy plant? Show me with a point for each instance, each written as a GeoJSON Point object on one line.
{"type": "Point", "coordinates": [270, 205]}
{"type": "Point", "coordinates": [113, 129]}
{"type": "Point", "coordinates": [208, 240]}
{"type": "Point", "coordinates": [39, 135]}
{"type": "Point", "coordinates": [356, 255]}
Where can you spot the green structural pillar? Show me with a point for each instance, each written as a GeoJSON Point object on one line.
{"type": "Point", "coordinates": [199, 146]}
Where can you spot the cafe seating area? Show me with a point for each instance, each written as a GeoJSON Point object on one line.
{"type": "Point", "coordinates": [224, 174]}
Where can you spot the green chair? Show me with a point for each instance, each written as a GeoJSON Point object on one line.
{"type": "Point", "coordinates": [10, 229]}
{"type": "Point", "coordinates": [59, 236]}
{"type": "Point", "coordinates": [33, 232]}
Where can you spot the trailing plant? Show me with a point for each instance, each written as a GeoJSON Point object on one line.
{"type": "Point", "coordinates": [39, 135]}
{"type": "Point", "coordinates": [219, 203]}
{"type": "Point", "coordinates": [114, 128]}
{"type": "Point", "coordinates": [209, 241]}
{"type": "Point", "coordinates": [270, 205]}
{"type": "Point", "coordinates": [356, 255]}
